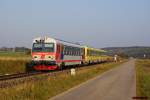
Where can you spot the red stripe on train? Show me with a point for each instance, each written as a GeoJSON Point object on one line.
{"type": "Point", "coordinates": [68, 60]}
{"type": "Point", "coordinates": [44, 67]}
{"type": "Point", "coordinates": [43, 53]}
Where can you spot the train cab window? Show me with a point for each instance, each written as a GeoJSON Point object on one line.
{"type": "Point", "coordinates": [48, 47]}
{"type": "Point", "coordinates": [43, 47]}
{"type": "Point", "coordinates": [37, 47]}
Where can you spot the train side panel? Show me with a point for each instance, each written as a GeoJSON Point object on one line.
{"type": "Point", "coordinates": [71, 55]}
{"type": "Point", "coordinates": [93, 55]}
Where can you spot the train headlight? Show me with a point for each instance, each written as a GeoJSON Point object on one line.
{"type": "Point", "coordinates": [35, 56]}
{"type": "Point", "coordinates": [49, 57]}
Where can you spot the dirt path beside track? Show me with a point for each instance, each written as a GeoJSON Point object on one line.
{"type": "Point", "coordinates": [116, 84]}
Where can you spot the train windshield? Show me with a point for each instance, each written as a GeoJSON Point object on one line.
{"type": "Point", "coordinates": [43, 47]}
{"type": "Point", "coordinates": [49, 47]}
{"type": "Point", "coordinates": [37, 47]}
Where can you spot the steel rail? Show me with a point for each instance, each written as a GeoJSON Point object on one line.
{"type": "Point", "coordinates": [18, 75]}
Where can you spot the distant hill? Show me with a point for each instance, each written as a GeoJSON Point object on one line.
{"type": "Point", "coordinates": [135, 51]}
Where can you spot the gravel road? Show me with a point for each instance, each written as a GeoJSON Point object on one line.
{"type": "Point", "coordinates": [116, 84]}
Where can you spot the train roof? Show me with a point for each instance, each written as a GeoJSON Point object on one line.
{"type": "Point", "coordinates": [50, 39]}
{"type": "Point", "coordinates": [96, 49]}
{"type": "Point", "coordinates": [69, 43]}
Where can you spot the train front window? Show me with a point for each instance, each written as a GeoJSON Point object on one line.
{"type": "Point", "coordinates": [43, 47]}
{"type": "Point", "coordinates": [37, 47]}
{"type": "Point", "coordinates": [48, 47]}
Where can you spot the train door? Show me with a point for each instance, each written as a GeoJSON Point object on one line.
{"type": "Point", "coordinates": [62, 52]}
{"type": "Point", "coordinates": [58, 52]}
{"type": "Point", "coordinates": [83, 54]}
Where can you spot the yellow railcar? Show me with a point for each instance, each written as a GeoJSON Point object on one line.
{"type": "Point", "coordinates": [93, 55]}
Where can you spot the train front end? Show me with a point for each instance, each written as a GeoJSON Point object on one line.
{"type": "Point", "coordinates": [43, 54]}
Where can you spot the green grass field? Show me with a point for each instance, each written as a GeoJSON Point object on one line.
{"type": "Point", "coordinates": [13, 54]}
{"type": "Point", "coordinates": [143, 78]}
{"type": "Point", "coordinates": [49, 87]}
{"type": "Point", "coordinates": [12, 66]}
{"type": "Point", "coordinates": [13, 62]}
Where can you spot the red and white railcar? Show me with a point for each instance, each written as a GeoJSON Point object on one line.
{"type": "Point", "coordinates": [50, 54]}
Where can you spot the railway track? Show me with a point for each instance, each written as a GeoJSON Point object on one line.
{"type": "Point", "coordinates": [18, 75]}
{"type": "Point", "coordinates": [19, 78]}
{"type": "Point", "coordinates": [16, 79]}
{"type": "Point", "coordinates": [27, 74]}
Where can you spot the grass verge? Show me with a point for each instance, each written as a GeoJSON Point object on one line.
{"type": "Point", "coordinates": [51, 86]}
{"type": "Point", "coordinates": [143, 78]}
{"type": "Point", "coordinates": [12, 66]}
{"type": "Point", "coordinates": [13, 62]}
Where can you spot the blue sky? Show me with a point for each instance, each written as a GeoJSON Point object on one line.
{"type": "Point", "coordinates": [98, 23]}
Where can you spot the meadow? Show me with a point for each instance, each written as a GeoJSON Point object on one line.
{"type": "Point", "coordinates": [143, 78]}
{"type": "Point", "coordinates": [13, 62]}
{"type": "Point", "coordinates": [48, 87]}
{"type": "Point", "coordinates": [13, 54]}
